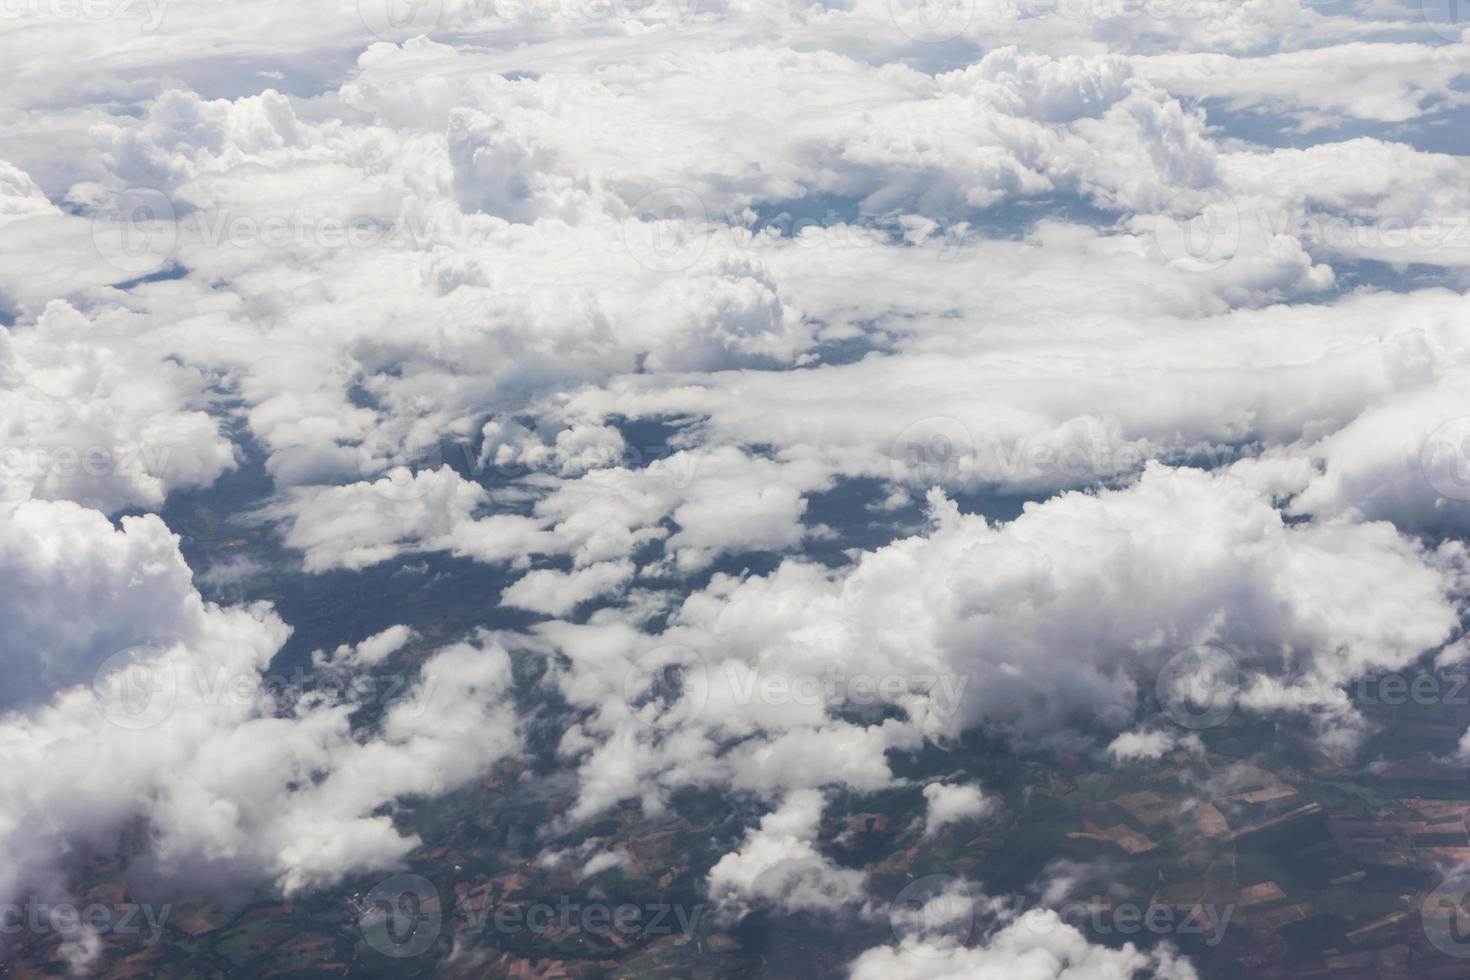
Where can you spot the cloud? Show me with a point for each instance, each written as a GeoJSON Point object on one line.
{"type": "Point", "coordinates": [361, 524]}
{"type": "Point", "coordinates": [1327, 84]}
{"type": "Point", "coordinates": [141, 702]}
{"type": "Point", "coordinates": [1038, 945]}
{"type": "Point", "coordinates": [1033, 627]}
{"type": "Point", "coordinates": [446, 279]}
{"type": "Point", "coordinates": [558, 593]}
{"type": "Point", "coordinates": [1004, 602]}
{"type": "Point", "coordinates": [1142, 745]}
{"type": "Point", "coordinates": [101, 421]}
{"type": "Point", "coordinates": [778, 866]}
{"type": "Point", "coordinates": [950, 804]}
{"type": "Point", "coordinates": [369, 653]}
{"type": "Point", "coordinates": [69, 608]}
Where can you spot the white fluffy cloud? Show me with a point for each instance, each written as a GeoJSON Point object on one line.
{"type": "Point", "coordinates": [101, 422]}
{"type": "Point", "coordinates": [140, 701]}
{"type": "Point", "coordinates": [1142, 745]}
{"type": "Point", "coordinates": [444, 275]}
{"type": "Point", "coordinates": [77, 590]}
{"type": "Point", "coordinates": [779, 866]}
{"type": "Point", "coordinates": [558, 593]}
{"type": "Point", "coordinates": [1034, 626]}
{"type": "Point", "coordinates": [950, 803]}
{"type": "Point", "coordinates": [1042, 612]}
{"type": "Point", "coordinates": [1038, 946]}
{"type": "Point", "coordinates": [1325, 84]}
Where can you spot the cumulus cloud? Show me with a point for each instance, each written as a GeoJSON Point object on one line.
{"type": "Point", "coordinates": [752, 682]}
{"type": "Point", "coordinates": [446, 276]}
{"type": "Point", "coordinates": [369, 653]}
{"type": "Point", "coordinates": [101, 422]}
{"type": "Point", "coordinates": [142, 702]}
{"type": "Point", "coordinates": [1038, 945]}
{"type": "Point", "coordinates": [952, 803]}
{"type": "Point", "coordinates": [1327, 84]}
{"type": "Point", "coordinates": [70, 607]}
{"type": "Point", "coordinates": [1142, 745]}
{"type": "Point", "coordinates": [778, 866]}
{"type": "Point", "coordinates": [361, 524]}
{"type": "Point", "coordinates": [558, 593]}
{"type": "Point", "coordinates": [971, 596]}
